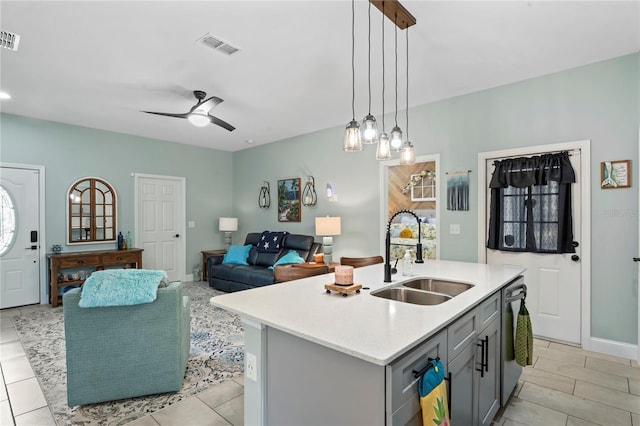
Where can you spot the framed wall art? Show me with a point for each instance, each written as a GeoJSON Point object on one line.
{"type": "Point", "coordinates": [615, 174]}
{"type": "Point", "coordinates": [289, 200]}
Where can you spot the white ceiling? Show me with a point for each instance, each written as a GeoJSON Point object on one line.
{"type": "Point", "coordinates": [99, 63]}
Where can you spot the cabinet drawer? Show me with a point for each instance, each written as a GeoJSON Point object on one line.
{"type": "Point", "coordinates": [120, 257]}
{"type": "Point", "coordinates": [78, 261]}
{"type": "Point", "coordinates": [462, 332]}
{"type": "Point", "coordinates": [489, 310]}
{"type": "Point", "coordinates": [410, 414]}
{"type": "Point", "coordinates": [401, 385]}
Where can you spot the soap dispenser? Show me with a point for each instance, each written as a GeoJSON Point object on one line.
{"type": "Point", "coordinates": [407, 264]}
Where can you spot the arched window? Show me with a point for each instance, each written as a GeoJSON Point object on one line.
{"type": "Point", "coordinates": [7, 221]}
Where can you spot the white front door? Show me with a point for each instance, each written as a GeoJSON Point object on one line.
{"type": "Point", "coordinates": [19, 237]}
{"type": "Point", "coordinates": [553, 281]}
{"type": "Point", "coordinates": [160, 212]}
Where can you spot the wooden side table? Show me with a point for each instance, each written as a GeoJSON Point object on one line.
{"type": "Point", "coordinates": [205, 256]}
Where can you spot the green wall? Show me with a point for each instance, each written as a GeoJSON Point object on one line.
{"type": "Point", "coordinates": [71, 152]}
{"type": "Point", "coordinates": [599, 102]}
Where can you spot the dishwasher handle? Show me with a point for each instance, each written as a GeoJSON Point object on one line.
{"type": "Point", "coordinates": [510, 297]}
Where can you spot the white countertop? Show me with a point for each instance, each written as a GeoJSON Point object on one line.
{"type": "Point", "coordinates": [371, 328]}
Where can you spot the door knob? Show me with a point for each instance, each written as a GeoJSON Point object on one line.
{"type": "Point", "coordinates": [575, 244]}
{"type": "Point", "coordinates": [177, 235]}
{"type": "Point", "coordinates": [636, 259]}
{"type": "Point", "coordinates": [575, 257]}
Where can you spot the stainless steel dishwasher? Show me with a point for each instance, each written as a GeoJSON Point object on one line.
{"type": "Point", "coordinates": [511, 371]}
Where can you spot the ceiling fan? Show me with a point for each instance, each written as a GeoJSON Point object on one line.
{"type": "Point", "coordinates": [199, 115]}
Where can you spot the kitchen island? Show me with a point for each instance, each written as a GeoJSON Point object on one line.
{"type": "Point", "coordinates": [313, 357]}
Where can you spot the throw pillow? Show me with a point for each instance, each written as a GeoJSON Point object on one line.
{"type": "Point", "coordinates": [237, 255]}
{"type": "Point", "coordinates": [291, 257]}
{"type": "Point", "coordinates": [270, 242]}
{"type": "Point", "coordinates": [406, 233]}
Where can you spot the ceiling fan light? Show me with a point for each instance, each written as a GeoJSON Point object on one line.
{"type": "Point", "coordinates": [352, 139]}
{"type": "Point", "coordinates": [384, 150]}
{"type": "Point", "coordinates": [199, 120]}
{"type": "Point", "coordinates": [407, 154]}
{"type": "Point", "coordinates": [396, 138]}
{"type": "Point", "coordinates": [369, 130]}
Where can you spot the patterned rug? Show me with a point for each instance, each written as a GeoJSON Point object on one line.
{"type": "Point", "coordinates": [217, 355]}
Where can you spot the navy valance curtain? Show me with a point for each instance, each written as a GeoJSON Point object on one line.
{"type": "Point", "coordinates": [531, 204]}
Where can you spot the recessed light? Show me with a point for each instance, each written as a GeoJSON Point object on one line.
{"type": "Point", "coordinates": [249, 141]}
{"type": "Point", "coordinates": [5, 95]}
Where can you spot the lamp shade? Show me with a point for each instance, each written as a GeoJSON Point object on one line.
{"type": "Point", "coordinates": [228, 224]}
{"type": "Point", "coordinates": [328, 226]}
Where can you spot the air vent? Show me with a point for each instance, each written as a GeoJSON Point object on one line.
{"type": "Point", "coordinates": [216, 43]}
{"type": "Point", "coordinates": [9, 40]}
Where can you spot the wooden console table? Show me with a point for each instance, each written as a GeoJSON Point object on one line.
{"type": "Point", "coordinates": [205, 255]}
{"type": "Point", "coordinates": [71, 269]}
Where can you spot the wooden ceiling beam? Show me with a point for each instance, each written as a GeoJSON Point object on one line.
{"type": "Point", "coordinates": [395, 12]}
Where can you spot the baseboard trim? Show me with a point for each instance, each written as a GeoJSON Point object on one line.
{"type": "Point", "coordinates": [613, 347]}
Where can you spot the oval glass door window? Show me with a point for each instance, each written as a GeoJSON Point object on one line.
{"type": "Point", "coordinates": [7, 221]}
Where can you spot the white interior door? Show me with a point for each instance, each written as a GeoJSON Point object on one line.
{"type": "Point", "coordinates": [160, 212]}
{"type": "Point", "coordinates": [19, 237]}
{"type": "Point", "coordinates": [553, 281]}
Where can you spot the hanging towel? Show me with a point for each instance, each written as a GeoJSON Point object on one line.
{"type": "Point", "coordinates": [433, 395]}
{"type": "Point", "coordinates": [524, 337]}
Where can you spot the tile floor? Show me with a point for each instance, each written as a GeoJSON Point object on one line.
{"type": "Point", "coordinates": [565, 386]}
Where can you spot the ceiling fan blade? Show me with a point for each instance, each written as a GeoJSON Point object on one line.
{"type": "Point", "coordinates": [168, 114]}
{"type": "Point", "coordinates": [205, 106]}
{"type": "Point", "coordinates": [221, 123]}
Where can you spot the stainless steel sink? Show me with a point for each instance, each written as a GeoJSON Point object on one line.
{"type": "Point", "coordinates": [407, 295]}
{"type": "Point", "coordinates": [450, 288]}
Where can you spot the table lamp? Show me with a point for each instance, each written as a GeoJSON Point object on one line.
{"type": "Point", "coordinates": [228, 225]}
{"type": "Point", "coordinates": [327, 227]}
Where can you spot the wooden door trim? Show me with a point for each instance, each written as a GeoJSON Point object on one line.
{"type": "Point", "coordinates": [585, 232]}
{"type": "Point", "coordinates": [182, 212]}
{"type": "Point", "coordinates": [42, 256]}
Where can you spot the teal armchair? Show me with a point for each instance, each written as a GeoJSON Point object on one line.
{"type": "Point", "coordinates": [126, 351]}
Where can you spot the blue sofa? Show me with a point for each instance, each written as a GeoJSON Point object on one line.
{"type": "Point", "coordinates": [227, 277]}
{"type": "Point", "coordinates": [125, 351]}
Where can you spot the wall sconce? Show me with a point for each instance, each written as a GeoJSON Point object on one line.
{"type": "Point", "coordinates": [331, 193]}
{"type": "Point", "coordinates": [228, 225]}
{"type": "Point", "coordinates": [264, 197]}
{"type": "Point", "coordinates": [328, 227]}
{"type": "Point", "coordinates": [309, 196]}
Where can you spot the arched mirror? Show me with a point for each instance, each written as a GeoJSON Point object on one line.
{"type": "Point", "coordinates": [91, 211]}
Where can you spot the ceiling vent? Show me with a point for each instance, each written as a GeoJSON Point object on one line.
{"type": "Point", "coordinates": [9, 40]}
{"type": "Point", "coordinates": [216, 43]}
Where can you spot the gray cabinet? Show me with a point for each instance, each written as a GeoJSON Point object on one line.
{"type": "Point", "coordinates": [402, 399]}
{"type": "Point", "coordinates": [463, 387]}
{"type": "Point", "coordinates": [489, 382]}
{"type": "Point", "coordinates": [475, 366]}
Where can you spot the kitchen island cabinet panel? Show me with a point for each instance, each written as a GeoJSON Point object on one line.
{"type": "Point", "coordinates": [310, 384]}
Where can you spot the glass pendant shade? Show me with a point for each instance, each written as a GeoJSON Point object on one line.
{"type": "Point", "coordinates": [352, 138]}
{"type": "Point", "coordinates": [384, 149]}
{"type": "Point", "coordinates": [396, 138]}
{"type": "Point", "coordinates": [407, 155]}
{"type": "Point", "coordinates": [369, 130]}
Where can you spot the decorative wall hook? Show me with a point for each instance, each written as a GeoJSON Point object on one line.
{"type": "Point", "coordinates": [264, 197]}
{"type": "Point", "coordinates": [309, 196]}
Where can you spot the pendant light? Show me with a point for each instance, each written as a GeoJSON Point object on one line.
{"type": "Point", "coordinates": [369, 124]}
{"type": "Point", "coordinates": [352, 138]}
{"type": "Point", "coordinates": [396, 133]}
{"type": "Point", "coordinates": [384, 149]}
{"type": "Point", "coordinates": [407, 155]}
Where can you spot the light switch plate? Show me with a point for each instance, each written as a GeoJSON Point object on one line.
{"type": "Point", "coordinates": [454, 228]}
{"type": "Point", "coordinates": [191, 224]}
